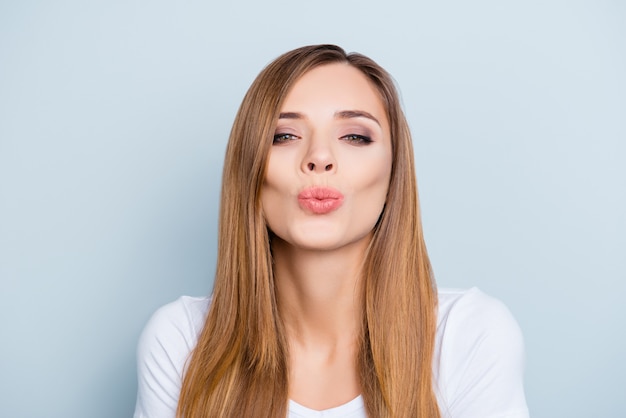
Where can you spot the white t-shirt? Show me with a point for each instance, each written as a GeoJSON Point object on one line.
{"type": "Point", "coordinates": [477, 367]}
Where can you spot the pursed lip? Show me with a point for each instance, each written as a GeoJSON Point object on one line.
{"type": "Point", "coordinates": [320, 200]}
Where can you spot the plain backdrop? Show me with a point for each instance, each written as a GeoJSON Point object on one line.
{"type": "Point", "coordinates": [114, 117]}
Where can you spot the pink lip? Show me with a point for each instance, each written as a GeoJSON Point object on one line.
{"type": "Point", "coordinates": [320, 200]}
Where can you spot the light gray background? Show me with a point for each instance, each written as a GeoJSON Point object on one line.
{"type": "Point", "coordinates": [114, 117]}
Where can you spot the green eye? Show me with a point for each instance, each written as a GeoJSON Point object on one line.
{"type": "Point", "coordinates": [357, 139]}
{"type": "Point", "coordinates": [282, 138]}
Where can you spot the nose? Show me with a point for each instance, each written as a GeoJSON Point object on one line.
{"type": "Point", "coordinates": [319, 158]}
{"type": "Point", "coordinates": [312, 167]}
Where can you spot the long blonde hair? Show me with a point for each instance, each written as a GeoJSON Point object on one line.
{"type": "Point", "coordinates": [239, 366]}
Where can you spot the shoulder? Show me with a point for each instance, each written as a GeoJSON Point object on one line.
{"type": "Point", "coordinates": [184, 317]}
{"type": "Point", "coordinates": [164, 346]}
{"type": "Point", "coordinates": [173, 328]}
{"type": "Point", "coordinates": [479, 356]}
{"type": "Point", "coordinates": [473, 307]}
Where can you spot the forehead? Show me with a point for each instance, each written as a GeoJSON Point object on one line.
{"type": "Point", "coordinates": [336, 87]}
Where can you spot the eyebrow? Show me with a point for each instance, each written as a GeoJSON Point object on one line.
{"type": "Point", "coordinates": [348, 114]}
{"type": "Point", "coordinates": [343, 114]}
{"type": "Point", "coordinates": [291, 115]}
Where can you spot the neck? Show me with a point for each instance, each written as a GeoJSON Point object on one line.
{"type": "Point", "coordinates": [319, 293]}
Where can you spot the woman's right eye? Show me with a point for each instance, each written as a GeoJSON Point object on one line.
{"type": "Point", "coordinates": [283, 138]}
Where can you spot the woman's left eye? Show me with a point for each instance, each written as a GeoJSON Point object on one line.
{"type": "Point", "coordinates": [357, 139]}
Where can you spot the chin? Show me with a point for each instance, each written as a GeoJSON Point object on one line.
{"type": "Point", "coordinates": [329, 242]}
{"type": "Point", "coordinates": [318, 244]}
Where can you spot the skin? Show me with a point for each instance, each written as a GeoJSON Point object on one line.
{"type": "Point", "coordinates": [319, 142]}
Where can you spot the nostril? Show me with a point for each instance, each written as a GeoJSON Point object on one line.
{"type": "Point", "coordinates": [328, 167]}
{"type": "Point", "coordinates": [311, 166]}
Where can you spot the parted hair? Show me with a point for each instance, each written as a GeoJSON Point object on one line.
{"type": "Point", "coordinates": [239, 367]}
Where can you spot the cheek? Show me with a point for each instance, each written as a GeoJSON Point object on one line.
{"type": "Point", "coordinates": [270, 171]}
{"type": "Point", "coordinates": [373, 177]}
{"type": "Point", "coordinates": [270, 209]}
{"type": "Point", "coordinates": [270, 197]}
{"type": "Point", "coordinates": [371, 184]}
{"type": "Point", "coordinates": [281, 164]}
{"type": "Point", "coordinates": [273, 192]}
{"type": "Point", "coordinates": [273, 176]}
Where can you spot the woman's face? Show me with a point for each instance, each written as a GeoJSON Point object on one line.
{"type": "Point", "coordinates": [330, 163]}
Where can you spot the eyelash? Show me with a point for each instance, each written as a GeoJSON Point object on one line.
{"type": "Point", "coordinates": [357, 139]}
{"type": "Point", "coordinates": [282, 138]}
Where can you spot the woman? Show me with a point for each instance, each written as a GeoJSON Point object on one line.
{"type": "Point", "coordinates": [324, 302]}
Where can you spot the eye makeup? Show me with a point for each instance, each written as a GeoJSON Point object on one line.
{"type": "Point", "coordinates": [282, 138]}
{"type": "Point", "coordinates": [357, 139]}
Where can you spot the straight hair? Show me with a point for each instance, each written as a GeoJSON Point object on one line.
{"type": "Point", "coordinates": [239, 367]}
